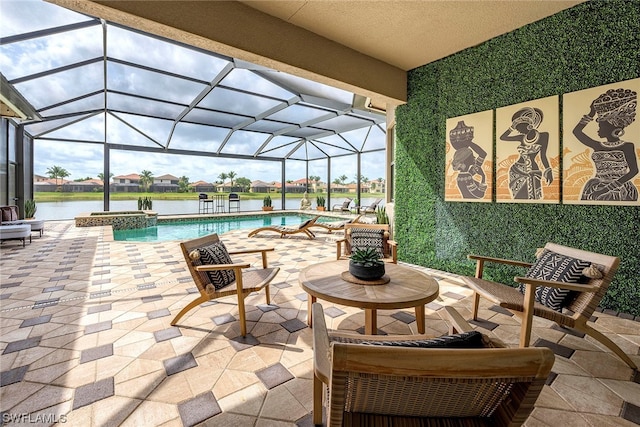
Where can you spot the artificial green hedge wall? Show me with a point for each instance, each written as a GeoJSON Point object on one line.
{"type": "Point", "coordinates": [592, 44]}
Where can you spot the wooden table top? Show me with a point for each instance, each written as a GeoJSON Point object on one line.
{"type": "Point", "coordinates": [407, 288]}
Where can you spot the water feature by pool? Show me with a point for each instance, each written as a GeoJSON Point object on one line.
{"type": "Point", "coordinates": [191, 229]}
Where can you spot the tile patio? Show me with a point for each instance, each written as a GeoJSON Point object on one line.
{"type": "Point", "coordinates": [86, 340]}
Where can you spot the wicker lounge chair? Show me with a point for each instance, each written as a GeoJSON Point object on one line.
{"type": "Point", "coordinates": [288, 231]}
{"type": "Point", "coordinates": [246, 279]}
{"type": "Point", "coordinates": [359, 235]}
{"type": "Point", "coordinates": [576, 310]}
{"type": "Point", "coordinates": [336, 225]}
{"type": "Point", "coordinates": [344, 207]}
{"type": "Point", "coordinates": [371, 208]}
{"type": "Point", "coordinates": [399, 385]}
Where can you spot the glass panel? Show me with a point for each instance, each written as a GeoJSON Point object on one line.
{"type": "Point", "coordinates": [298, 114]}
{"type": "Point", "coordinates": [313, 152]}
{"type": "Point", "coordinates": [119, 133]}
{"type": "Point", "coordinates": [343, 174]}
{"type": "Point", "coordinates": [372, 167]}
{"type": "Point", "coordinates": [154, 85]}
{"type": "Point", "coordinates": [252, 82]}
{"type": "Point", "coordinates": [308, 87]}
{"type": "Point", "coordinates": [377, 139]}
{"type": "Point", "coordinates": [245, 143]}
{"type": "Point", "coordinates": [208, 117]}
{"type": "Point", "coordinates": [12, 143]}
{"type": "Point", "coordinates": [343, 123]}
{"type": "Point", "coordinates": [189, 136]}
{"type": "Point", "coordinates": [237, 102]}
{"type": "Point", "coordinates": [86, 160]}
{"type": "Point", "coordinates": [309, 132]}
{"type": "Point", "coordinates": [280, 146]}
{"type": "Point", "coordinates": [162, 55]}
{"type": "Point", "coordinates": [40, 128]}
{"type": "Point", "coordinates": [333, 146]}
{"type": "Point", "coordinates": [356, 137]}
{"type": "Point", "coordinates": [49, 52]}
{"type": "Point", "coordinates": [147, 107]}
{"type": "Point", "coordinates": [89, 129]}
{"type": "Point", "coordinates": [62, 86]}
{"type": "Point", "coordinates": [268, 126]}
{"type": "Point", "coordinates": [157, 129]}
{"type": "Point", "coordinates": [95, 102]}
{"type": "Point", "coordinates": [40, 16]}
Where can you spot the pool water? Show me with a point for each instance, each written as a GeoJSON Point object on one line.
{"type": "Point", "coordinates": [186, 230]}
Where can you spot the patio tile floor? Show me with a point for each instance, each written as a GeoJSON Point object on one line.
{"type": "Point", "coordinates": [86, 340]}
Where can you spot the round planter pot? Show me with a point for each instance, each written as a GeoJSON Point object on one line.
{"type": "Point", "coordinates": [366, 273]}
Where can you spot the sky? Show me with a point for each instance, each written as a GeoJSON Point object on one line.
{"type": "Point", "coordinates": [81, 160]}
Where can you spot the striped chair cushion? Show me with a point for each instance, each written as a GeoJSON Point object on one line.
{"type": "Point", "coordinates": [362, 238]}
{"type": "Point", "coordinates": [559, 268]}
{"type": "Point", "coordinates": [216, 253]}
{"type": "Point", "coordinates": [471, 339]}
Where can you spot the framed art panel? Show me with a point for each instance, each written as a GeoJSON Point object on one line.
{"type": "Point", "coordinates": [601, 146]}
{"type": "Point", "coordinates": [469, 158]}
{"type": "Point", "coordinates": [528, 152]}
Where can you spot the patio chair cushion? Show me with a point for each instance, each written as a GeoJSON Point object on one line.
{"type": "Point", "coordinates": [214, 254]}
{"type": "Point", "coordinates": [559, 268]}
{"type": "Point", "coordinates": [363, 238]}
{"type": "Point", "coordinates": [305, 223]}
{"type": "Point", "coordinates": [471, 339]}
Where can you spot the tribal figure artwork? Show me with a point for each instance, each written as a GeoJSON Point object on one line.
{"type": "Point", "coordinates": [468, 174]}
{"type": "Point", "coordinates": [528, 152]}
{"type": "Point", "coordinates": [603, 156]}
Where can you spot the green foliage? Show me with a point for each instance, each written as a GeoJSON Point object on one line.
{"type": "Point", "coordinates": [266, 202]}
{"type": "Point", "coordinates": [320, 201]}
{"type": "Point", "coordinates": [381, 215]}
{"type": "Point", "coordinates": [30, 208]}
{"type": "Point", "coordinates": [367, 257]}
{"type": "Point", "coordinates": [591, 44]}
{"type": "Point", "coordinates": [144, 203]}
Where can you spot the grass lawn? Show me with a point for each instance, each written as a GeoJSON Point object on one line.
{"type": "Point", "coordinates": [61, 197]}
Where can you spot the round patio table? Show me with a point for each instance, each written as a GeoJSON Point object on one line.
{"type": "Point", "coordinates": [408, 287]}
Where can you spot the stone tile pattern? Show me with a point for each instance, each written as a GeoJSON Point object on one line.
{"type": "Point", "coordinates": [103, 352]}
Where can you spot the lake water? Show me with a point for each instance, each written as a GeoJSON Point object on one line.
{"type": "Point", "coordinates": [69, 210]}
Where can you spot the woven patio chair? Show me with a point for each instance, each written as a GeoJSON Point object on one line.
{"type": "Point", "coordinates": [361, 235]}
{"type": "Point", "coordinates": [344, 206]}
{"type": "Point", "coordinates": [582, 290]}
{"type": "Point", "coordinates": [217, 276]}
{"type": "Point", "coordinates": [378, 381]}
{"type": "Point", "coordinates": [304, 228]}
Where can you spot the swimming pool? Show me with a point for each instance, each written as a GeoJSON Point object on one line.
{"type": "Point", "coordinates": [191, 229]}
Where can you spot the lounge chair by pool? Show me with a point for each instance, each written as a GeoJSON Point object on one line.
{"type": "Point", "coordinates": [287, 231]}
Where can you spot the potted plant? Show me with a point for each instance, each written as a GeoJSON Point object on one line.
{"type": "Point", "coordinates": [30, 209]}
{"type": "Point", "coordinates": [365, 264]}
{"type": "Point", "coordinates": [320, 202]}
{"type": "Point", "coordinates": [381, 215]}
{"type": "Point", "coordinates": [266, 204]}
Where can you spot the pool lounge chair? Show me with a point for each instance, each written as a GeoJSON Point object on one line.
{"type": "Point", "coordinates": [336, 225]}
{"type": "Point", "coordinates": [344, 207]}
{"type": "Point", "coordinates": [371, 208]}
{"type": "Point", "coordinates": [288, 231]}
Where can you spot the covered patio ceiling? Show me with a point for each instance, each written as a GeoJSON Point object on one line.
{"type": "Point", "coordinates": [92, 81]}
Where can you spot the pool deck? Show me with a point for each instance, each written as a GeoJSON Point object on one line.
{"type": "Point", "coordinates": [86, 339]}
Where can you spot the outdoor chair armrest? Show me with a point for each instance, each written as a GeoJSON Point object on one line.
{"type": "Point", "coordinates": [213, 267]}
{"type": "Point", "coordinates": [499, 260]}
{"type": "Point", "coordinates": [554, 284]}
{"type": "Point", "coordinates": [457, 323]}
{"type": "Point", "coordinates": [250, 251]}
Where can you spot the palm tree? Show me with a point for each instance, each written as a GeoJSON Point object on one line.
{"type": "Point", "coordinates": [342, 179]}
{"type": "Point", "coordinates": [146, 179]}
{"type": "Point", "coordinates": [222, 177]}
{"type": "Point", "coordinates": [57, 172]}
{"type": "Point", "coordinates": [232, 175]}
{"type": "Point", "coordinates": [101, 176]}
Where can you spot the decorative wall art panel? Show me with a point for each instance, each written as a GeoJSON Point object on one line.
{"type": "Point", "coordinates": [528, 152]}
{"type": "Point", "coordinates": [601, 145]}
{"type": "Point", "coordinates": [469, 158]}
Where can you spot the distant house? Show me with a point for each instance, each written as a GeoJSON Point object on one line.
{"type": "Point", "coordinates": [203, 187]}
{"type": "Point", "coordinates": [264, 187]}
{"type": "Point", "coordinates": [89, 185]}
{"type": "Point", "coordinates": [165, 184]}
{"type": "Point", "coordinates": [125, 183]}
{"type": "Point", "coordinates": [44, 184]}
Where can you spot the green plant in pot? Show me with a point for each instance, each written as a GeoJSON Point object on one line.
{"type": "Point", "coordinates": [30, 208]}
{"type": "Point", "coordinates": [320, 201]}
{"type": "Point", "coordinates": [365, 264]}
{"type": "Point", "coordinates": [266, 204]}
